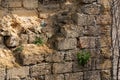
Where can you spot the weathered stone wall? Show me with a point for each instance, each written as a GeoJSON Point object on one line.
{"type": "Point", "coordinates": [71, 25]}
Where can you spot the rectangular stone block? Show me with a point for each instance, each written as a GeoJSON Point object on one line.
{"type": "Point", "coordinates": [55, 77]}
{"type": "Point", "coordinates": [66, 44]}
{"type": "Point", "coordinates": [87, 42]}
{"type": "Point", "coordinates": [14, 73]}
{"type": "Point", "coordinates": [30, 4]}
{"type": "Point", "coordinates": [74, 76]}
{"type": "Point", "coordinates": [82, 19]}
{"type": "Point", "coordinates": [40, 69]}
{"type": "Point", "coordinates": [92, 75]}
{"type": "Point", "coordinates": [24, 12]}
{"type": "Point", "coordinates": [62, 67]}
{"type": "Point", "coordinates": [12, 3]}
{"type": "Point", "coordinates": [104, 19]}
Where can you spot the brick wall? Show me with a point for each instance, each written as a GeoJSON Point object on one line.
{"type": "Point", "coordinates": [72, 26]}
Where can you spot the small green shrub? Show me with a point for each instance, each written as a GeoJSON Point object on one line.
{"type": "Point", "coordinates": [83, 57]}
{"type": "Point", "coordinates": [38, 41]}
{"type": "Point", "coordinates": [19, 49]}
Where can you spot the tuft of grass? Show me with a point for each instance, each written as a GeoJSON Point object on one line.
{"type": "Point", "coordinates": [38, 41]}
{"type": "Point", "coordinates": [83, 57]}
{"type": "Point", "coordinates": [19, 49]}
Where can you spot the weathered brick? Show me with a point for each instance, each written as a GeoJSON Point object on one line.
{"type": "Point", "coordinates": [30, 4]}
{"type": "Point", "coordinates": [54, 77]}
{"type": "Point", "coordinates": [104, 19]}
{"type": "Point", "coordinates": [91, 9]}
{"type": "Point", "coordinates": [88, 1]}
{"type": "Point", "coordinates": [40, 69]}
{"type": "Point", "coordinates": [24, 12]}
{"type": "Point", "coordinates": [58, 56]}
{"type": "Point", "coordinates": [21, 72]}
{"type": "Point", "coordinates": [12, 3]}
{"type": "Point", "coordinates": [87, 42]}
{"type": "Point", "coordinates": [106, 75]}
{"type": "Point", "coordinates": [62, 67]}
{"type": "Point", "coordinates": [83, 19]}
{"type": "Point", "coordinates": [74, 76]}
{"type": "Point", "coordinates": [66, 44]}
{"type": "Point", "coordinates": [92, 75]}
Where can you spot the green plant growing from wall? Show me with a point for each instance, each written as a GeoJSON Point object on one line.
{"type": "Point", "coordinates": [38, 41]}
{"type": "Point", "coordinates": [19, 49]}
{"type": "Point", "coordinates": [83, 57]}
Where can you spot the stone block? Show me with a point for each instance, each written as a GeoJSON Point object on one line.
{"type": "Point", "coordinates": [24, 12]}
{"type": "Point", "coordinates": [91, 30]}
{"type": "Point", "coordinates": [74, 76]}
{"type": "Point", "coordinates": [105, 41]}
{"type": "Point", "coordinates": [62, 67]}
{"type": "Point", "coordinates": [33, 54]}
{"type": "Point", "coordinates": [2, 74]}
{"type": "Point", "coordinates": [88, 1]}
{"type": "Point", "coordinates": [12, 3]}
{"type": "Point", "coordinates": [30, 4]}
{"type": "Point", "coordinates": [54, 77]}
{"type": "Point", "coordinates": [106, 75]}
{"type": "Point", "coordinates": [40, 69]}
{"type": "Point", "coordinates": [58, 56]}
{"type": "Point", "coordinates": [83, 19]}
{"type": "Point", "coordinates": [104, 19]}
{"type": "Point", "coordinates": [66, 44]}
{"type": "Point", "coordinates": [104, 64]}
{"type": "Point", "coordinates": [92, 75]}
{"type": "Point", "coordinates": [87, 42]}
{"type": "Point", "coordinates": [70, 31]}
{"type": "Point", "coordinates": [91, 9]}
{"type": "Point", "coordinates": [16, 73]}
{"type": "Point", "coordinates": [106, 4]}
{"type": "Point", "coordinates": [106, 52]}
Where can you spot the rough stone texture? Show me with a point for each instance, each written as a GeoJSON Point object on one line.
{"type": "Point", "coordinates": [88, 1]}
{"type": "Point", "coordinates": [54, 77]}
{"type": "Point", "coordinates": [67, 27]}
{"type": "Point", "coordinates": [87, 42]}
{"type": "Point", "coordinates": [91, 9]}
{"type": "Point", "coordinates": [66, 44]}
{"type": "Point", "coordinates": [83, 19]}
{"type": "Point", "coordinates": [2, 73]}
{"type": "Point", "coordinates": [92, 75]}
{"type": "Point", "coordinates": [30, 4]}
{"type": "Point", "coordinates": [62, 67]}
{"type": "Point", "coordinates": [12, 3]}
{"type": "Point", "coordinates": [74, 76]}
{"type": "Point", "coordinates": [33, 54]}
{"type": "Point", "coordinates": [40, 69]}
{"type": "Point", "coordinates": [21, 72]}
{"type": "Point", "coordinates": [20, 11]}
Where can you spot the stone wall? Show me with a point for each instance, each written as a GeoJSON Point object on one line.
{"type": "Point", "coordinates": [69, 27]}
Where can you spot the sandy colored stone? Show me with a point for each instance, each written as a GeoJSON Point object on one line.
{"type": "Point", "coordinates": [6, 58]}
{"type": "Point", "coordinates": [74, 76]}
{"type": "Point", "coordinates": [106, 64]}
{"type": "Point", "coordinates": [40, 69]}
{"type": "Point", "coordinates": [3, 12]}
{"type": "Point", "coordinates": [20, 72]}
{"type": "Point", "coordinates": [106, 52]}
{"type": "Point", "coordinates": [62, 67]}
{"type": "Point", "coordinates": [30, 4]}
{"type": "Point", "coordinates": [32, 54]}
{"type": "Point", "coordinates": [12, 3]}
{"type": "Point", "coordinates": [54, 77]}
{"type": "Point", "coordinates": [106, 74]}
{"type": "Point", "coordinates": [2, 75]}
{"type": "Point", "coordinates": [104, 19]}
{"type": "Point", "coordinates": [87, 42]}
{"type": "Point", "coordinates": [24, 12]}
